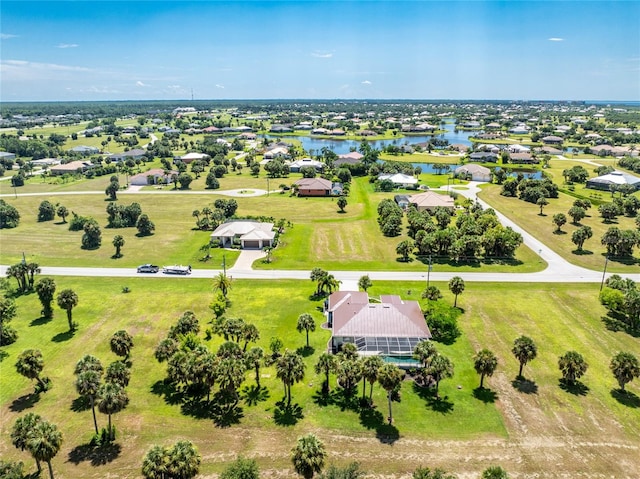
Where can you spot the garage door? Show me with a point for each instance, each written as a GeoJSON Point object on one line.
{"type": "Point", "coordinates": [252, 244]}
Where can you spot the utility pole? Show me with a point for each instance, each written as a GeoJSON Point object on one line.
{"type": "Point", "coordinates": [224, 264]}
{"type": "Point", "coordinates": [428, 271]}
{"type": "Point", "coordinates": [604, 272]}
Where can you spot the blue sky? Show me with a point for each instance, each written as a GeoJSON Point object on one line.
{"type": "Point", "coordinates": [128, 50]}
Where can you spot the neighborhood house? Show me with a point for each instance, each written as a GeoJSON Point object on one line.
{"type": "Point", "coordinates": [248, 234]}
{"type": "Point", "coordinates": [317, 187]}
{"type": "Point", "coordinates": [391, 328]}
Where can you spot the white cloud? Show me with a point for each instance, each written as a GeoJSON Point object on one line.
{"type": "Point", "coordinates": [319, 54]}
{"type": "Point", "coordinates": [556, 39]}
{"type": "Point", "coordinates": [139, 83]}
{"type": "Point", "coordinates": [68, 45]}
{"type": "Point", "coordinates": [219, 86]}
{"type": "Point", "coordinates": [7, 36]}
{"type": "Point", "coordinates": [366, 82]}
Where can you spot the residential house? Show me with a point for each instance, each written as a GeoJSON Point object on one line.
{"type": "Point", "coordinates": [522, 158]}
{"type": "Point", "coordinates": [399, 179]}
{"type": "Point", "coordinates": [71, 167]}
{"type": "Point", "coordinates": [402, 201]}
{"type": "Point", "coordinates": [85, 150]}
{"type": "Point", "coordinates": [483, 156]}
{"type": "Point", "coordinates": [135, 154]}
{"type": "Point", "coordinates": [430, 200]}
{"type": "Point", "coordinates": [297, 165]}
{"type": "Point", "coordinates": [276, 152]}
{"type": "Point", "coordinates": [317, 187]}
{"type": "Point", "coordinates": [153, 176]}
{"type": "Point", "coordinates": [250, 234]}
{"type": "Point", "coordinates": [189, 157]}
{"type": "Point", "coordinates": [5, 155]}
{"type": "Point", "coordinates": [613, 179]}
{"type": "Point", "coordinates": [390, 328]}
{"type": "Point", "coordinates": [552, 140]}
{"type": "Point", "coordinates": [473, 172]}
{"type": "Point", "coordinates": [351, 158]}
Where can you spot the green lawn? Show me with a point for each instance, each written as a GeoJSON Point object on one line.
{"type": "Point", "coordinates": [557, 317]}
{"type": "Point", "coordinates": [527, 215]}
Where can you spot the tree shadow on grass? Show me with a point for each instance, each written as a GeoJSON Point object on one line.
{"type": "Point", "coordinates": [305, 351]}
{"type": "Point", "coordinates": [559, 232]}
{"type": "Point", "coordinates": [81, 403]}
{"type": "Point", "coordinates": [581, 252]}
{"type": "Point", "coordinates": [171, 395]}
{"type": "Point", "coordinates": [253, 394]}
{"type": "Point", "coordinates": [40, 321]}
{"type": "Point", "coordinates": [3, 355]}
{"type": "Point", "coordinates": [24, 402]}
{"type": "Point", "coordinates": [287, 415]}
{"type": "Point", "coordinates": [225, 415]}
{"type": "Point", "coordinates": [97, 455]}
{"type": "Point", "coordinates": [576, 388]}
{"type": "Point", "coordinates": [524, 385]}
{"type": "Point", "coordinates": [196, 408]}
{"type": "Point", "coordinates": [616, 322]}
{"type": "Point", "coordinates": [626, 398]}
{"type": "Point", "coordinates": [440, 404]}
{"type": "Point", "coordinates": [387, 434]}
{"type": "Point", "coordinates": [66, 336]}
{"type": "Point", "coordinates": [485, 395]}
{"type": "Point", "coordinates": [371, 418]}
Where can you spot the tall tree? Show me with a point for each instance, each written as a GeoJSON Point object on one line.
{"type": "Point", "coordinates": [21, 432]}
{"type": "Point", "coordinates": [326, 364]}
{"type": "Point", "coordinates": [253, 360]}
{"type": "Point", "coordinates": [306, 323]}
{"type": "Point", "coordinates": [87, 385]}
{"type": "Point", "coordinates": [290, 369]}
{"type": "Point", "coordinates": [118, 243]}
{"type": "Point", "coordinates": [30, 364]}
{"type": "Point", "coordinates": [390, 378]}
{"type": "Point", "coordinates": [112, 399]}
{"type": "Point", "coordinates": [222, 282]}
{"type": "Point", "coordinates": [485, 364]}
{"type": "Point", "coordinates": [308, 456]}
{"type": "Point", "coordinates": [559, 219]}
{"type": "Point", "coordinates": [625, 367]}
{"type": "Point", "coordinates": [67, 299]}
{"type": "Point", "coordinates": [364, 283]}
{"type": "Point", "coordinates": [370, 367]}
{"type": "Point", "coordinates": [424, 351]}
{"type": "Point", "coordinates": [62, 212]}
{"type": "Point", "coordinates": [241, 468]}
{"type": "Point", "coordinates": [184, 462]}
{"type": "Point", "coordinates": [46, 290]}
{"type": "Point", "coordinates": [342, 203]}
{"type": "Point", "coordinates": [118, 373]}
{"type": "Point", "coordinates": [88, 363]}
{"type": "Point", "coordinates": [525, 350]}
{"type": "Point", "coordinates": [456, 286]}
{"type": "Point", "coordinates": [440, 367]}
{"type": "Point", "coordinates": [317, 275]}
{"type": "Point", "coordinates": [8, 311]}
{"type": "Point", "coordinates": [44, 443]}
{"type": "Point", "coordinates": [121, 343]}
{"type": "Point", "coordinates": [572, 366]}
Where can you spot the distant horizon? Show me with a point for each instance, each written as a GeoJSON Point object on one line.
{"type": "Point", "coordinates": [112, 50]}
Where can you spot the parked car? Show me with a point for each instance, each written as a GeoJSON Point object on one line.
{"type": "Point", "coordinates": [148, 268]}
{"type": "Point", "coordinates": [175, 269]}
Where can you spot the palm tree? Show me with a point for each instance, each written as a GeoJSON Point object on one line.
{"type": "Point", "coordinates": [370, 367]}
{"type": "Point", "coordinates": [112, 398]}
{"type": "Point", "coordinates": [424, 351]}
{"type": "Point", "coordinates": [253, 360]}
{"type": "Point", "coordinates": [494, 472]}
{"type": "Point", "coordinates": [67, 299]}
{"type": "Point", "coordinates": [118, 373]}
{"type": "Point", "coordinates": [184, 461]}
{"type": "Point", "coordinates": [165, 349]}
{"type": "Point", "coordinates": [440, 367]}
{"type": "Point", "coordinates": [32, 269]}
{"type": "Point", "coordinates": [118, 243]}
{"type": "Point", "coordinates": [306, 323]}
{"type": "Point", "coordinates": [121, 343]}
{"type": "Point", "coordinates": [88, 363]}
{"type": "Point", "coordinates": [572, 366]}
{"type": "Point", "coordinates": [317, 275]}
{"type": "Point", "coordinates": [30, 364]}
{"type": "Point", "coordinates": [249, 334]}
{"type": "Point", "coordinates": [230, 376]}
{"type": "Point", "coordinates": [223, 283]}
{"type": "Point", "coordinates": [625, 367]}
{"type": "Point", "coordinates": [44, 443]}
{"type": "Point", "coordinates": [485, 363]}
{"type": "Point", "coordinates": [21, 432]}
{"type": "Point", "coordinates": [525, 350]}
{"type": "Point", "coordinates": [290, 370]}
{"type": "Point", "coordinates": [46, 289]}
{"type": "Point", "coordinates": [155, 464]}
{"type": "Point", "coordinates": [390, 378]}
{"type": "Point", "coordinates": [87, 385]}
{"type": "Point", "coordinates": [326, 364]}
{"type": "Point", "coordinates": [364, 283]}
{"type": "Point", "coordinates": [456, 286]}
{"type": "Point", "coordinates": [349, 372]}
{"type": "Point", "coordinates": [308, 456]}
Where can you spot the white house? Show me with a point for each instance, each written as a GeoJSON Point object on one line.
{"type": "Point", "coordinates": [399, 179]}
{"type": "Point", "coordinates": [473, 171]}
{"type": "Point", "coordinates": [252, 234]}
{"type": "Point", "coordinates": [297, 165]}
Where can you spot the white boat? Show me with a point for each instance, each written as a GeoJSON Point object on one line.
{"type": "Point", "coordinates": [176, 269]}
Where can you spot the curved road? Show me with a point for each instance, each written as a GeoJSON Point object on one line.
{"type": "Point", "coordinates": [558, 270]}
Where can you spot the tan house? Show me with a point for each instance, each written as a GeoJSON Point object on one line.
{"type": "Point", "coordinates": [317, 187]}
{"type": "Point", "coordinates": [474, 172]}
{"type": "Point", "coordinates": [430, 200]}
{"type": "Point", "coordinates": [71, 167]}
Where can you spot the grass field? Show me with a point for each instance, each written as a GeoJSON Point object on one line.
{"type": "Point", "coordinates": [320, 235]}
{"type": "Point", "coordinates": [527, 215]}
{"type": "Point", "coordinates": [546, 433]}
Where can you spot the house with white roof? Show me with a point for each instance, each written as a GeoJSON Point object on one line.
{"type": "Point", "coordinates": [613, 179]}
{"type": "Point", "coordinates": [250, 234]}
{"type": "Point", "coordinates": [399, 179]}
{"type": "Point", "coordinates": [189, 157]}
{"type": "Point", "coordinates": [297, 165]}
